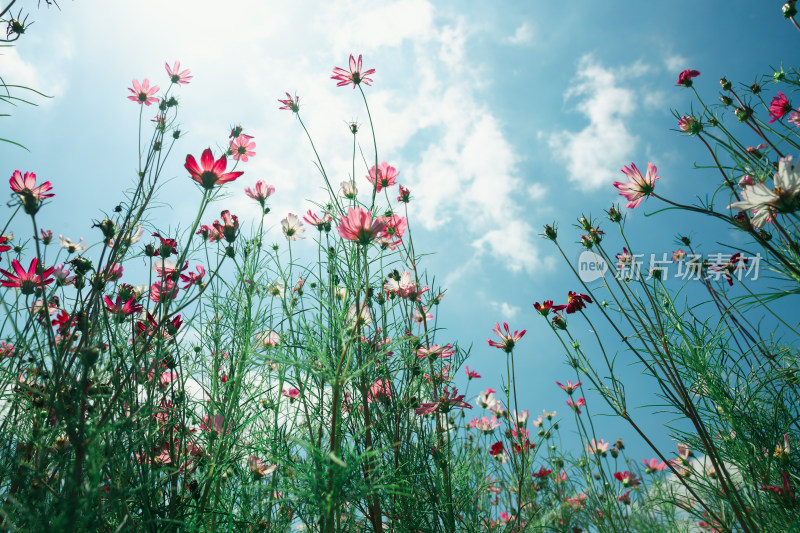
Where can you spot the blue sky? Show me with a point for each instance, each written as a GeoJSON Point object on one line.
{"type": "Point", "coordinates": [500, 117]}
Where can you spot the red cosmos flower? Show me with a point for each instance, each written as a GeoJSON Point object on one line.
{"type": "Point", "coordinates": [313, 220]}
{"type": "Point", "coordinates": [292, 394]}
{"type": "Point", "coordinates": [64, 322]}
{"type": "Point", "coordinates": [627, 479]}
{"type": "Point", "coordinates": [685, 77]}
{"type": "Point", "coordinates": [358, 226]}
{"type": "Point", "coordinates": [736, 262]}
{"type": "Point", "coordinates": [209, 233]}
{"type": "Point", "coordinates": [176, 75]}
{"type": "Point", "coordinates": [625, 498]}
{"type": "Point", "coordinates": [121, 310]}
{"type": "Point", "coordinates": [543, 308]}
{"type": "Point", "coordinates": [472, 374]}
{"type": "Point", "coordinates": [387, 176]}
{"type": "Point", "coordinates": [209, 173]}
{"type": "Point", "coordinates": [778, 107]}
{"type": "Point", "coordinates": [290, 104]}
{"type": "Point", "coordinates": [496, 449]}
{"type": "Point", "coordinates": [575, 302]}
{"type": "Point", "coordinates": [193, 278]}
{"type": "Point", "coordinates": [3, 246]}
{"type": "Point", "coordinates": [260, 192]}
{"type": "Point", "coordinates": [355, 76]}
{"type": "Point", "coordinates": [27, 282]}
{"type": "Point", "coordinates": [28, 192]}
{"type": "Point", "coordinates": [508, 339]}
{"type": "Point", "coordinates": [445, 403]}
{"type": "Point", "coordinates": [242, 148]}
{"type": "Point", "coordinates": [785, 491]}
{"type": "Point", "coordinates": [405, 195]}
{"type": "Point", "coordinates": [229, 227]}
{"type": "Point", "coordinates": [167, 247]}
{"type": "Point", "coordinates": [638, 187]}
{"type": "Point", "coordinates": [543, 472]}
{"type": "Point", "coordinates": [569, 388]}
{"type": "Point", "coordinates": [143, 94]}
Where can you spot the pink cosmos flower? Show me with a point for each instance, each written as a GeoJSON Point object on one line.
{"type": "Point", "coordinates": [421, 317]}
{"type": "Point", "coordinates": [679, 255]}
{"type": "Point", "coordinates": [380, 391]}
{"type": "Point", "coordinates": [405, 195]}
{"type": "Point", "coordinates": [794, 119]}
{"type": "Point", "coordinates": [778, 107]}
{"type": "Point", "coordinates": [638, 186]}
{"type": "Point", "coordinates": [269, 338]}
{"type": "Point", "coordinates": [684, 452]}
{"type": "Point", "coordinates": [176, 75]}
{"type": "Point", "coordinates": [292, 227]}
{"type": "Point", "coordinates": [258, 467]}
{"type": "Point", "coordinates": [27, 282]}
{"type": "Point", "coordinates": [192, 278]}
{"type": "Point", "coordinates": [163, 291]}
{"type": "Point", "coordinates": [242, 148]}
{"type": "Point", "coordinates": [569, 388]}
{"type": "Point", "coordinates": [487, 425]}
{"type": "Point", "coordinates": [355, 76]}
{"type": "Point", "coordinates": [209, 173]}
{"type": "Point", "coordinates": [62, 275]}
{"type": "Point", "coordinates": [435, 352]}
{"type": "Point", "coordinates": [229, 226]}
{"type": "Point", "coordinates": [70, 246]}
{"type": "Point", "coordinates": [597, 447]}
{"type": "Point", "coordinates": [313, 220]}
{"type": "Point", "coordinates": [625, 498]}
{"type": "Point", "coordinates": [685, 77]}
{"type": "Point", "coordinates": [26, 186]}
{"type": "Point", "coordinates": [387, 176]}
{"type": "Point", "coordinates": [290, 104]}
{"type": "Point", "coordinates": [121, 310]}
{"type": "Point", "coordinates": [143, 94]}
{"type": "Point", "coordinates": [447, 401]}
{"type": "Point", "coordinates": [292, 394]}
{"type": "Point", "coordinates": [359, 226]}
{"type": "Point", "coordinates": [260, 192]}
{"type": "Point", "coordinates": [395, 228]}
{"type": "Point", "coordinates": [216, 425]}
{"type": "Point", "coordinates": [689, 124]}
{"type": "Point", "coordinates": [576, 406]}
{"type": "Point", "coordinates": [471, 374]}
{"type": "Point", "coordinates": [508, 339]}
{"type": "Point", "coordinates": [654, 465]}
{"type": "Point", "coordinates": [575, 302]}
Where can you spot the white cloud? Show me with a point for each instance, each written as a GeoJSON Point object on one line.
{"type": "Point", "coordinates": [594, 155]}
{"type": "Point", "coordinates": [17, 71]}
{"type": "Point", "coordinates": [506, 310]}
{"type": "Point", "coordinates": [675, 63]}
{"type": "Point", "coordinates": [523, 35]}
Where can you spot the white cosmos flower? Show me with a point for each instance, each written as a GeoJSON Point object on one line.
{"type": "Point", "coordinates": [765, 202]}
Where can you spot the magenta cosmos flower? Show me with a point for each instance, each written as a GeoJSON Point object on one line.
{"type": "Point", "coordinates": [242, 148]}
{"type": "Point", "coordinates": [209, 173]}
{"type": "Point", "coordinates": [778, 107]}
{"type": "Point", "coordinates": [359, 226]}
{"type": "Point", "coordinates": [176, 75]}
{"type": "Point", "coordinates": [638, 186]}
{"type": "Point", "coordinates": [27, 282]}
{"type": "Point", "coordinates": [28, 192]}
{"type": "Point", "coordinates": [387, 176]}
{"type": "Point", "coordinates": [355, 76]}
{"type": "Point", "coordinates": [507, 339]}
{"type": "Point", "coordinates": [143, 94]}
{"type": "Point", "coordinates": [685, 77]}
{"type": "Point", "coordinates": [290, 104]}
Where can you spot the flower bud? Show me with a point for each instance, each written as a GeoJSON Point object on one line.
{"type": "Point", "coordinates": [789, 9]}
{"type": "Point", "coordinates": [550, 232]}
{"type": "Point", "coordinates": [726, 85]}
{"type": "Point", "coordinates": [613, 214]}
{"type": "Point", "coordinates": [743, 113]}
{"type": "Point", "coordinates": [726, 100]}
{"type": "Point", "coordinates": [755, 88]}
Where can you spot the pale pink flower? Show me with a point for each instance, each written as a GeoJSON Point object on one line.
{"type": "Point", "coordinates": [70, 246]}
{"type": "Point", "coordinates": [638, 186]}
{"type": "Point", "coordinates": [258, 467]}
{"type": "Point", "coordinates": [435, 352]}
{"type": "Point", "coordinates": [314, 220]}
{"type": "Point", "coordinates": [421, 317]}
{"type": "Point", "coordinates": [387, 176]}
{"type": "Point", "coordinates": [359, 226]}
{"type": "Point", "coordinates": [569, 388]}
{"type": "Point", "coordinates": [487, 425]}
{"type": "Point", "coordinates": [143, 94]}
{"type": "Point", "coordinates": [176, 75]}
{"type": "Point", "coordinates": [794, 119]}
{"type": "Point", "coordinates": [269, 338]}
{"type": "Point", "coordinates": [292, 394]}
{"type": "Point", "coordinates": [765, 202]}
{"type": "Point", "coordinates": [214, 426]}
{"type": "Point", "coordinates": [292, 227]}
{"type": "Point", "coordinates": [508, 339]}
{"type": "Point", "coordinates": [349, 189]}
{"type": "Point", "coordinates": [163, 291]}
{"type": "Point", "coordinates": [597, 447]}
{"type": "Point", "coordinates": [260, 192]}
{"type": "Point", "coordinates": [486, 398]}
{"type": "Point", "coordinates": [290, 104]}
{"type": "Point", "coordinates": [355, 76]}
{"type": "Point", "coordinates": [654, 465]}
{"type": "Point", "coordinates": [242, 148]}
